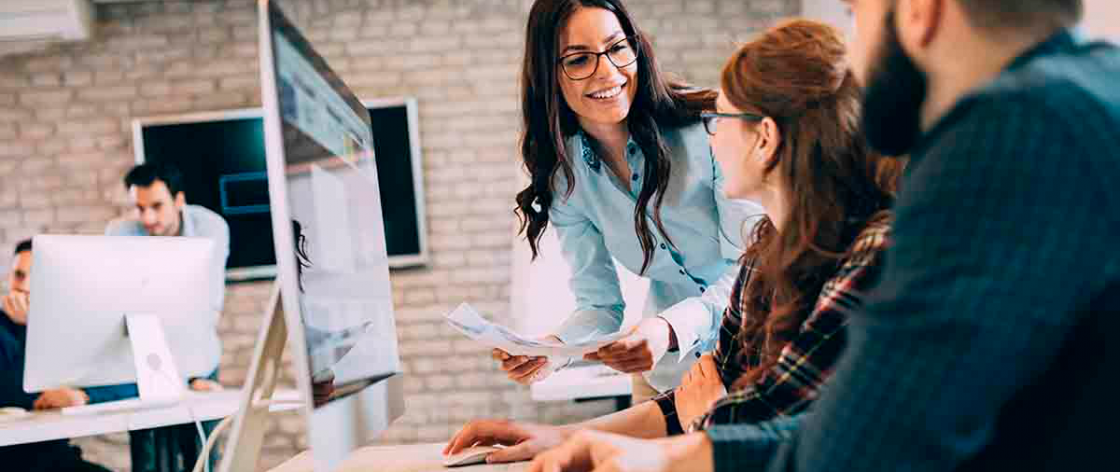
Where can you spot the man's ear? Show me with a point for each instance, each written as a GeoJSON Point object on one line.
{"type": "Point", "coordinates": [919, 21]}
{"type": "Point", "coordinates": [180, 200]}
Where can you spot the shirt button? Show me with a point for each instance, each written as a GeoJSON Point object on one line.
{"type": "Point", "coordinates": [697, 354]}
{"type": "Point", "coordinates": [702, 289]}
{"type": "Point", "coordinates": [635, 177]}
{"type": "Point", "coordinates": [682, 271]}
{"type": "Point", "coordinates": [663, 246]}
{"type": "Point", "coordinates": [632, 149]}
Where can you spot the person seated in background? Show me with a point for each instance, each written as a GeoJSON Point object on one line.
{"type": "Point", "coordinates": [786, 134]}
{"type": "Point", "coordinates": [156, 190]}
{"type": "Point", "coordinates": [988, 343]}
{"type": "Point", "coordinates": [49, 456]}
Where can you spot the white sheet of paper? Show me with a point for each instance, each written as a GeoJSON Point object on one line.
{"type": "Point", "coordinates": [468, 321]}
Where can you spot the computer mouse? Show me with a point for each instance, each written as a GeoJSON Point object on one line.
{"type": "Point", "coordinates": [8, 413]}
{"type": "Point", "coordinates": [469, 456]}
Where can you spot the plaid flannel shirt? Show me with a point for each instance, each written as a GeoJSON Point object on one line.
{"type": "Point", "coordinates": [806, 362]}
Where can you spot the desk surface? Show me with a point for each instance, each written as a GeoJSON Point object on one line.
{"type": "Point", "coordinates": [49, 425]}
{"type": "Point", "coordinates": [413, 458]}
{"type": "Point", "coordinates": [580, 382]}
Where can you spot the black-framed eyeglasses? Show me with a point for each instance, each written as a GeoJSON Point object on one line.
{"type": "Point", "coordinates": [583, 65]}
{"type": "Point", "coordinates": [711, 119]}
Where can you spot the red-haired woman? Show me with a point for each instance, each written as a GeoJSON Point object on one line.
{"type": "Point", "coordinates": [785, 132]}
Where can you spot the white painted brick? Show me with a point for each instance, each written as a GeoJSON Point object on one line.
{"type": "Point", "coordinates": [38, 217]}
{"type": "Point", "coordinates": [48, 63]}
{"type": "Point", "coordinates": [188, 87]}
{"type": "Point", "coordinates": [114, 93]}
{"type": "Point", "coordinates": [46, 79]}
{"type": "Point", "coordinates": [15, 149]}
{"type": "Point", "coordinates": [12, 115]}
{"type": "Point", "coordinates": [155, 89]}
{"type": "Point", "coordinates": [219, 100]}
{"type": "Point", "coordinates": [40, 98]}
{"type": "Point", "coordinates": [245, 82]}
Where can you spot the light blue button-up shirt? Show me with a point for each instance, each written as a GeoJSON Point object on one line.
{"type": "Point", "coordinates": [690, 280]}
{"type": "Point", "coordinates": [197, 221]}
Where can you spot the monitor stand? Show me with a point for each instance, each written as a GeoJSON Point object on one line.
{"type": "Point", "coordinates": [245, 441]}
{"type": "Point", "coordinates": [157, 376]}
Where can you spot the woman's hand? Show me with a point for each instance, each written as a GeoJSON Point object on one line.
{"type": "Point", "coordinates": [524, 440]}
{"type": "Point", "coordinates": [525, 369]}
{"type": "Point", "coordinates": [700, 388]}
{"type": "Point", "coordinates": [322, 387]}
{"type": "Point", "coordinates": [640, 350]}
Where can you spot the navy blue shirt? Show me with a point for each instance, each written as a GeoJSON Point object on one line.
{"type": "Point", "coordinates": [1004, 252]}
{"type": "Point", "coordinates": [13, 339]}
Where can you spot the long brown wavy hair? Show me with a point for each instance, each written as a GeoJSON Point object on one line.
{"type": "Point", "coordinates": [796, 74]}
{"type": "Point", "coordinates": [547, 120]}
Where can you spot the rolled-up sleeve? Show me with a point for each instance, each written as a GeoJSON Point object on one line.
{"type": "Point", "coordinates": [696, 321]}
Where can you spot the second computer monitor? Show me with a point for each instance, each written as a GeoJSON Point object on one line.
{"type": "Point", "coordinates": [329, 234]}
{"type": "Point", "coordinates": [82, 289]}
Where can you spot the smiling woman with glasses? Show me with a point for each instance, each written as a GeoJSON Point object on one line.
{"type": "Point", "coordinates": [620, 167]}
{"type": "Point", "coordinates": [795, 147]}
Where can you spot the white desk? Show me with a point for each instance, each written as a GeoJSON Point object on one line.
{"type": "Point", "coordinates": [414, 458]}
{"type": "Point", "coordinates": [582, 383]}
{"type": "Point", "coordinates": [49, 425]}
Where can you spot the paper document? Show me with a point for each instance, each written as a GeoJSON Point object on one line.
{"type": "Point", "coordinates": [467, 321]}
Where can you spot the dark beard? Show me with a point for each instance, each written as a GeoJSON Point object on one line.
{"type": "Point", "coordinates": [893, 97]}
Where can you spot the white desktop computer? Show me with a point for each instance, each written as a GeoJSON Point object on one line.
{"type": "Point", "coordinates": [105, 307]}
{"type": "Point", "coordinates": [333, 302]}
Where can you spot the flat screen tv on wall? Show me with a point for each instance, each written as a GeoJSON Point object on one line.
{"type": "Point", "coordinates": [221, 155]}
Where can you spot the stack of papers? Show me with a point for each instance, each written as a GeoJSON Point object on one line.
{"type": "Point", "coordinates": [466, 320]}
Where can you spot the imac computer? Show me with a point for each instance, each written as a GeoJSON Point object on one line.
{"type": "Point", "coordinates": [117, 309]}
{"type": "Point", "coordinates": [333, 301]}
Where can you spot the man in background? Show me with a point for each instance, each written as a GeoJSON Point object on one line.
{"type": "Point", "coordinates": [156, 191]}
{"type": "Point", "coordinates": [49, 456]}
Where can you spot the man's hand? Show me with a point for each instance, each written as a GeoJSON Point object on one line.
{"type": "Point", "coordinates": [206, 385]}
{"type": "Point", "coordinates": [700, 388]}
{"type": "Point", "coordinates": [605, 452]}
{"type": "Point", "coordinates": [640, 350]}
{"type": "Point", "coordinates": [16, 305]}
{"type": "Point", "coordinates": [60, 398]}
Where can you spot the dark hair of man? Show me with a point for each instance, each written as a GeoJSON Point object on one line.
{"type": "Point", "coordinates": [548, 120]}
{"type": "Point", "coordinates": [144, 175]}
{"type": "Point", "coordinates": [24, 245]}
{"type": "Point", "coordinates": [1033, 15]}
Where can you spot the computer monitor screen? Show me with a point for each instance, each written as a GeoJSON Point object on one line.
{"type": "Point", "coordinates": [82, 287]}
{"type": "Point", "coordinates": [221, 155]}
{"type": "Point", "coordinates": [329, 238]}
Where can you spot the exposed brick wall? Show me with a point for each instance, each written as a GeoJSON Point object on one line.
{"type": "Point", "coordinates": [65, 142]}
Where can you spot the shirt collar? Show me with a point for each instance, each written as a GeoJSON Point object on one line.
{"type": "Point", "coordinates": [186, 224]}
{"type": "Point", "coordinates": [592, 159]}
{"type": "Point", "coordinates": [1063, 40]}
{"type": "Point", "coordinates": [588, 153]}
